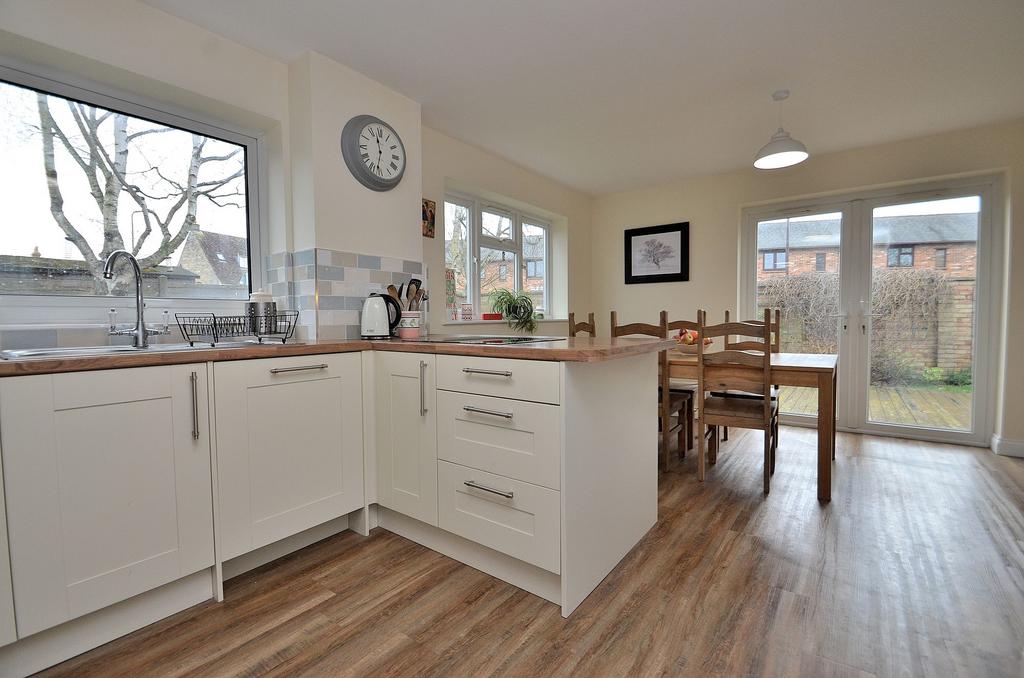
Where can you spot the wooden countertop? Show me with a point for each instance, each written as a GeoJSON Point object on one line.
{"type": "Point", "coordinates": [581, 349]}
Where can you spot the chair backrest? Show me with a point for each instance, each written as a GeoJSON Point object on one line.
{"type": "Point", "coordinates": [743, 366]}
{"type": "Point", "coordinates": [660, 330]}
{"type": "Point", "coordinates": [590, 327]}
{"type": "Point", "coordinates": [775, 325]}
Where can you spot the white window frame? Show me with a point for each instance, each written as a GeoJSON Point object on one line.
{"type": "Point", "coordinates": [513, 245]}
{"type": "Point", "coordinates": [68, 311]}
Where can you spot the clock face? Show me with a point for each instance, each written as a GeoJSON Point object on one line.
{"type": "Point", "coordinates": [373, 152]}
{"type": "Point", "coordinates": [380, 150]}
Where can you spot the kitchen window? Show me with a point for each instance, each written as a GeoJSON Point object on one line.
{"type": "Point", "coordinates": [900, 256]}
{"type": "Point", "coordinates": [775, 260]}
{"type": "Point", "coordinates": [485, 242]}
{"type": "Point", "coordinates": [86, 173]}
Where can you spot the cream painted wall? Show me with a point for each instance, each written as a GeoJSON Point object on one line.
{"type": "Point", "coordinates": [713, 206]}
{"type": "Point", "coordinates": [450, 163]}
{"type": "Point", "coordinates": [348, 215]}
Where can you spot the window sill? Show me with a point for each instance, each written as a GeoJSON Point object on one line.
{"type": "Point", "coordinates": [448, 323]}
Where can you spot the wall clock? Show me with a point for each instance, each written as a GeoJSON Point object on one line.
{"type": "Point", "coordinates": [373, 152]}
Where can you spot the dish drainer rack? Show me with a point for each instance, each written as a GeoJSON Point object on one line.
{"type": "Point", "coordinates": [210, 328]}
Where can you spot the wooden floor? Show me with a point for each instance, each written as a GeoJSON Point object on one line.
{"type": "Point", "coordinates": [915, 569]}
{"type": "Point", "coordinates": [930, 407]}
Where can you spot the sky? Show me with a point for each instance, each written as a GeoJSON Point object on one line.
{"type": "Point", "coordinates": [25, 220]}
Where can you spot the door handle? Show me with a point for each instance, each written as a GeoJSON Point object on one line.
{"type": "Point", "coordinates": [493, 413]}
{"type": "Point", "coordinates": [423, 388]}
{"type": "Point", "coordinates": [477, 486]}
{"type": "Point", "coordinates": [494, 373]}
{"type": "Point", "coordinates": [194, 379]}
{"type": "Point", "coordinates": [300, 368]}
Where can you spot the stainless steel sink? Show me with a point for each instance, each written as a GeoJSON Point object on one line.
{"type": "Point", "coordinates": [81, 351]}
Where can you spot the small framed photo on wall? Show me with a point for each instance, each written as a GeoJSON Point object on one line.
{"type": "Point", "coordinates": [429, 210]}
{"type": "Point", "coordinates": [658, 253]}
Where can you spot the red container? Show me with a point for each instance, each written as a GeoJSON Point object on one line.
{"type": "Point", "coordinates": [491, 316]}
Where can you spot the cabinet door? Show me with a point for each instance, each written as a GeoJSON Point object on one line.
{"type": "Point", "coordinates": [407, 434]}
{"type": "Point", "coordinates": [289, 446]}
{"type": "Point", "coordinates": [108, 486]}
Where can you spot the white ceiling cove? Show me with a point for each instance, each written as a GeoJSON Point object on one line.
{"type": "Point", "coordinates": [606, 95]}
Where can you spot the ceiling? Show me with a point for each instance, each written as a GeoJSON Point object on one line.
{"type": "Point", "coordinates": [606, 95]}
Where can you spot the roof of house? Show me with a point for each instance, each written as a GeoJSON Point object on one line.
{"type": "Point", "coordinates": [903, 230]}
{"type": "Point", "coordinates": [13, 263]}
{"type": "Point", "coordinates": [223, 252]}
{"type": "Point", "coordinates": [533, 247]}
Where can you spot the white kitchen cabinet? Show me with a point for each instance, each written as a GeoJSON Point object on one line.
{"type": "Point", "coordinates": [108, 483]}
{"type": "Point", "coordinates": [407, 434]}
{"type": "Point", "coordinates": [289, 446]}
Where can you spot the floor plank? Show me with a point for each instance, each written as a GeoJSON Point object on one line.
{"type": "Point", "coordinates": [916, 568]}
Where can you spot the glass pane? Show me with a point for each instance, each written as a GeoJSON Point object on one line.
{"type": "Point", "coordinates": [798, 273]}
{"type": "Point", "coordinates": [175, 199]}
{"type": "Point", "coordinates": [535, 247]}
{"type": "Point", "coordinates": [497, 272]}
{"type": "Point", "coordinates": [496, 225]}
{"type": "Point", "coordinates": [456, 255]}
{"type": "Point", "coordinates": [922, 313]}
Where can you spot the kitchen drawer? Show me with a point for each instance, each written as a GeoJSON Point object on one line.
{"type": "Point", "coordinates": [534, 380]}
{"type": "Point", "coordinates": [524, 525]}
{"type": "Point", "coordinates": [512, 438]}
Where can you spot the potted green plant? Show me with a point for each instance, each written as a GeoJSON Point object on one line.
{"type": "Point", "coordinates": [516, 308]}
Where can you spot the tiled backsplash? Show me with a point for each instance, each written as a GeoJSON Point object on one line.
{"type": "Point", "coordinates": [328, 287]}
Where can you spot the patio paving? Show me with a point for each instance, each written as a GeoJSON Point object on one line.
{"type": "Point", "coordinates": [925, 406]}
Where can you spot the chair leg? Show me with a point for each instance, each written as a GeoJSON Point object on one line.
{"type": "Point", "coordinates": [773, 430]}
{"type": "Point", "coordinates": [713, 451]}
{"type": "Point", "coordinates": [700, 450]}
{"type": "Point", "coordinates": [689, 423]}
{"type": "Point", "coordinates": [666, 437]}
{"type": "Point", "coordinates": [681, 437]}
{"type": "Point", "coordinates": [725, 434]}
{"type": "Point", "coordinates": [767, 460]}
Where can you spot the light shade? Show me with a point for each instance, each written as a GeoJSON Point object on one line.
{"type": "Point", "coordinates": [782, 151]}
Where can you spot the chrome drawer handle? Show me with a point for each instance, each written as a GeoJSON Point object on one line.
{"type": "Point", "coordinates": [493, 373]}
{"type": "Point", "coordinates": [476, 486]}
{"type": "Point", "coordinates": [301, 368]}
{"type": "Point", "coordinates": [493, 413]}
{"type": "Point", "coordinates": [194, 380]}
{"type": "Point", "coordinates": [423, 391]}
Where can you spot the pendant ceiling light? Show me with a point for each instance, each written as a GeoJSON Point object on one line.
{"type": "Point", "coordinates": [783, 150]}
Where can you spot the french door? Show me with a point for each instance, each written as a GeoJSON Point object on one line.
{"type": "Point", "coordinates": [898, 283]}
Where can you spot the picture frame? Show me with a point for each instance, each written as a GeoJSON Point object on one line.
{"type": "Point", "coordinates": [429, 216]}
{"type": "Point", "coordinates": [657, 254]}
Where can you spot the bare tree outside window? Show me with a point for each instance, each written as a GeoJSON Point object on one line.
{"type": "Point", "coordinates": [92, 180]}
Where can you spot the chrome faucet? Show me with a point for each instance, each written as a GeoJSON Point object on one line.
{"type": "Point", "coordinates": [140, 332]}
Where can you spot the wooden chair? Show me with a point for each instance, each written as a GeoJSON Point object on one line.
{"type": "Point", "coordinates": [668, 403]}
{"type": "Point", "coordinates": [590, 327]}
{"type": "Point", "coordinates": [746, 367]}
{"type": "Point", "coordinates": [776, 344]}
{"type": "Point", "coordinates": [684, 386]}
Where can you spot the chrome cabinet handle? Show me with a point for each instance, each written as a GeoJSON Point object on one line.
{"type": "Point", "coordinates": [423, 388]}
{"type": "Point", "coordinates": [495, 373]}
{"type": "Point", "coordinates": [477, 486]}
{"type": "Point", "coordinates": [194, 379]}
{"type": "Point", "coordinates": [301, 368]}
{"type": "Point", "coordinates": [493, 413]}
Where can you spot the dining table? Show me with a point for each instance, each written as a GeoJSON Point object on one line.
{"type": "Point", "coordinates": [809, 370]}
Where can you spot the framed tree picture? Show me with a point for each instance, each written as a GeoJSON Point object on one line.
{"type": "Point", "coordinates": [658, 253]}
